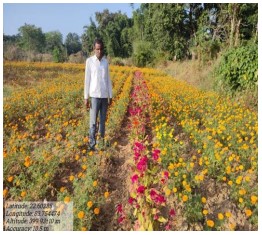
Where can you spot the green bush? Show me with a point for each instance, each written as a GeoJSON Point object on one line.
{"type": "Point", "coordinates": [238, 69]}
{"type": "Point", "coordinates": [143, 54]}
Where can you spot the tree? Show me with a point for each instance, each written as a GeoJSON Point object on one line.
{"type": "Point", "coordinates": [110, 28]}
{"type": "Point", "coordinates": [72, 43]}
{"type": "Point", "coordinates": [32, 38]}
{"type": "Point", "coordinates": [53, 39]}
{"type": "Point", "coordinates": [89, 36]}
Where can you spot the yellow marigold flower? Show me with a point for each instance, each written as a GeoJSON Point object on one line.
{"type": "Point", "coordinates": [247, 179]}
{"type": "Point", "coordinates": [95, 183]}
{"type": "Point", "coordinates": [228, 214]}
{"type": "Point", "coordinates": [242, 191]}
{"type": "Point", "coordinates": [232, 226]}
{"type": "Point", "coordinates": [66, 199]}
{"type": "Point", "coordinates": [205, 212]}
{"type": "Point", "coordinates": [210, 223]}
{"type": "Point", "coordinates": [23, 193]}
{"type": "Point", "coordinates": [81, 214]}
{"type": "Point", "coordinates": [106, 194]}
{"type": "Point", "coordinates": [71, 177]}
{"type": "Point", "coordinates": [240, 200]}
{"type": "Point", "coordinates": [204, 200]}
{"type": "Point", "coordinates": [96, 211]}
{"type": "Point", "coordinates": [248, 212]}
{"type": "Point", "coordinates": [238, 181]}
{"type": "Point", "coordinates": [253, 199]}
{"type": "Point", "coordinates": [83, 229]}
{"type": "Point", "coordinates": [89, 204]}
{"type": "Point", "coordinates": [230, 182]}
{"type": "Point", "coordinates": [220, 216]}
{"type": "Point", "coordinates": [77, 157]}
{"type": "Point", "coordinates": [167, 192]}
{"type": "Point", "coordinates": [174, 190]}
{"type": "Point", "coordinates": [184, 198]}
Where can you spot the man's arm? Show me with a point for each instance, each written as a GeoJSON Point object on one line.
{"type": "Point", "coordinates": [109, 85]}
{"type": "Point", "coordinates": [87, 83]}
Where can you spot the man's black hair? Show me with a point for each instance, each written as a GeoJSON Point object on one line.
{"type": "Point", "coordinates": [99, 41]}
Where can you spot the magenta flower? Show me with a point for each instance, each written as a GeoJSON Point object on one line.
{"type": "Point", "coordinates": [121, 219]}
{"type": "Point", "coordinates": [156, 197]}
{"type": "Point", "coordinates": [134, 178]}
{"type": "Point", "coordinates": [155, 154]}
{"type": "Point", "coordinates": [141, 189]}
{"type": "Point", "coordinates": [119, 208]}
{"type": "Point", "coordinates": [172, 212]}
{"type": "Point", "coordinates": [131, 200]}
{"type": "Point", "coordinates": [142, 164]}
{"type": "Point", "coordinates": [166, 174]}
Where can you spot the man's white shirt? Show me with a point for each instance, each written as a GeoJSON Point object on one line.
{"type": "Point", "coordinates": [97, 79]}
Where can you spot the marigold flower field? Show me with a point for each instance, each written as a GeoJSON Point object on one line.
{"type": "Point", "coordinates": [194, 157]}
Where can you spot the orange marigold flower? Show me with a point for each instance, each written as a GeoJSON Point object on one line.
{"type": "Point", "coordinates": [106, 194]}
{"type": "Point", "coordinates": [96, 211]}
{"type": "Point", "coordinates": [10, 178]}
{"type": "Point", "coordinates": [23, 193]}
{"type": "Point", "coordinates": [210, 223]}
{"type": "Point", "coordinates": [67, 199]}
{"type": "Point", "coordinates": [81, 214]}
{"type": "Point", "coordinates": [248, 212]}
{"type": "Point", "coordinates": [184, 198]}
{"type": "Point", "coordinates": [5, 192]}
{"type": "Point", "coordinates": [253, 199]}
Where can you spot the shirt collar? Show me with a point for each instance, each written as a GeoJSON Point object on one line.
{"type": "Point", "coordinates": [96, 59]}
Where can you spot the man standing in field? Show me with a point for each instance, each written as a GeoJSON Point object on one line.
{"type": "Point", "coordinates": [97, 91]}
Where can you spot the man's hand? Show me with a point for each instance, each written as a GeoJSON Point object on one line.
{"type": "Point", "coordinates": [109, 101]}
{"type": "Point", "coordinates": [87, 104]}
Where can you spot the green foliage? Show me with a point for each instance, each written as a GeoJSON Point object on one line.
{"type": "Point", "coordinates": [72, 43]}
{"type": "Point", "coordinates": [32, 38]}
{"type": "Point", "coordinates": [53, 39]}
{"type": "Point", "coordinates": [143, 54]}
{"type": "Point", "coordinates": [57, 55]}
{"type": "Point", "coordinates": [238, 69]}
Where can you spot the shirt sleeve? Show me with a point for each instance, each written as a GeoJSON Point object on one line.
{"type": "Point", "coordinates": [87, 79]}
{"type": "Point", "coordinates": [109, 82]}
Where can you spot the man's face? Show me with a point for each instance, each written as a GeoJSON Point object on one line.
{"type": "Point", "coordinates": [99, 51]}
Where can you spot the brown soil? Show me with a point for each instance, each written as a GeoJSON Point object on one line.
{"type": "Point", "coordinates": [115, 175]}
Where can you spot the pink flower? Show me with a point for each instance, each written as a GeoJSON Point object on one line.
{"type": "Point", "coordinates": [131, 200]}
{"type": "Point", "coordinates": [155, 154]}
{"type": "Point", "coordinates": [156, 197]}
{"type": "Point", "coordinates": [172, 212]}
{"type": "Point", "coordinates": [166, 174]}
{"type": "Point", "coordinates": [142, 164]}
{"type": "Point", "coordinates": [156, 217]}
{"type": "Point", "coordinates": [119, 208]}
{"type": "Point", "coordinates": [134, 178]}
{"type": "Point", "coordinates": [120, 219]}
{"type": "Point", "coordinates": [141, 189]}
